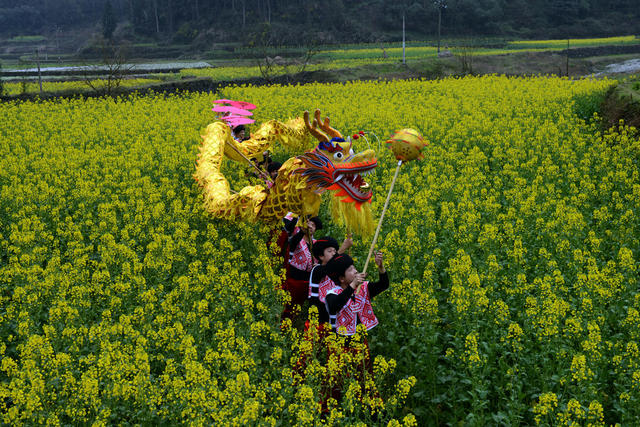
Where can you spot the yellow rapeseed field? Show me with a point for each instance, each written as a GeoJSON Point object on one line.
{"type": "Point", "coordinates": [511, 248]}
{"type": "Point", "coordinates": [576, 42]}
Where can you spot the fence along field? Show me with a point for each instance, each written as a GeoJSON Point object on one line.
{"type": "Point", "coordinates": [512, 250]}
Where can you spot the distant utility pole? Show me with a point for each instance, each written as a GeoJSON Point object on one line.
{"type": "Point", "coordinates": [39, 73]}
{"type": "Point", "coordinates": [440, 4]}
{"type": "Point", "coordinates": [439, 22]}
{"type": "Point", "coordinates": [567, 57]}
{"type": "Point", "coordinates": [403, 42]}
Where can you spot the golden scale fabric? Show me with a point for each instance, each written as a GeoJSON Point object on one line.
{"type": "Point", "coordinates": [293, 190]}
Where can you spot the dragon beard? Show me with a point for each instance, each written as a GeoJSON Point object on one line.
{"type": "Point", "coordinates": [353, 219]}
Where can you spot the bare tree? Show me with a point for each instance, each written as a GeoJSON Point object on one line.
{"type": "Point", "coordinates": [266, 42]}
{"type": "Point", "coordinates": [244, 13]}
{"type": "Point", "coordinates": [170, 15]}
{"type": "Point", "coordinates": [465, 56]}
{"type": "Point", "coordinates": [113, 68]}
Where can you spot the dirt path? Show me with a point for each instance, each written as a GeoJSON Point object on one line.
{"type": "Point", "coordinates": [630, 66]}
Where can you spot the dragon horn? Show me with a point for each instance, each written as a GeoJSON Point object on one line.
{"type": "Point", "coordinates": [328, 129]}
{"type": "Point", "coordinates": [324, 125]}
{"type": "Point", "coordinates": [313, 128]}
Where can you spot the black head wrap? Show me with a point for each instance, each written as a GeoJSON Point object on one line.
{"type": "Point", "coordinates": [317, 221]}
{"type": "Point", "coordinates": [338, 265]}
{"type": "Point", "coordinates": [323, 243]}
{"type": "Point", "coordinates": [274, 166]}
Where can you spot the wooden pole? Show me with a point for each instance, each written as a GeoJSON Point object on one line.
{"type": "Point", "coordinates": [260, 171]}
{"type": "Point", "coordinates": [384, 209]}
{"type": "Point", "coordinates": [439, 21]}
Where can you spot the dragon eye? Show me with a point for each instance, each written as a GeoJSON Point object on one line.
{"type": "Point", "coordinates": [337, 155]}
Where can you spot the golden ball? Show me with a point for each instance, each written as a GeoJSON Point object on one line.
{"type": "Point", "coordinates": [406, 144]}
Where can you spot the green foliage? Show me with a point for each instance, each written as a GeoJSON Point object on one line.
{"type": "Point", "coordinates": [27, 39]}
{"type": "Point", "coordinates": [185, 34]}
{"type": "Point", "coordinates": [588, 104]}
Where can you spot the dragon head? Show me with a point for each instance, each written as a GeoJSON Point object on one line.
{"type": "Point", "coordinates": [333, 165]}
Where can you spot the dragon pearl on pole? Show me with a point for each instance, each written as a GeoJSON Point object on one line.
{"type": "Point", "coordinates": [406, 145]}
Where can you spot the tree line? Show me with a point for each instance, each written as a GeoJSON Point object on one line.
{"type": "Point", "coordinates": [331, 20]}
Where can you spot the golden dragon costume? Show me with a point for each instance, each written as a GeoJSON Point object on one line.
{"type": "Point", "coordinates": [301, 180]}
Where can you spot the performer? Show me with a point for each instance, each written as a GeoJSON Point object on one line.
{"type": "Point", "coordinates": [300, 261]}
{"type": "Point", "coordinates": [272, 170]}
{"type": "Point", "coordinates": [324, 249]}
{"type": "Point", "coordinates": [238, 133]}
{"type": "Point", "coordinates": [349, 302]}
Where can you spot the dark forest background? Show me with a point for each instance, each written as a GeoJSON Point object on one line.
{"type": "Point", "coordinates": [328, 21]}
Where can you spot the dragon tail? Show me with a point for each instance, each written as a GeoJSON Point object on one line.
{"type": "Point", "coordinates": [218, 200]}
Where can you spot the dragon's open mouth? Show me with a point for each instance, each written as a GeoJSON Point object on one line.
{"type": "Point", "coordinates": [345, 178]}
{"type": "Point", "coordinates": [350, 180]}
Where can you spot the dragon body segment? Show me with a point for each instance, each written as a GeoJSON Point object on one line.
{"type": "Point", "coordinates": [301, 180]}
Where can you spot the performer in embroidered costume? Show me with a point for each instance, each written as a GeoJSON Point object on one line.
{"type": "Point", "coordinates": [349, 302]}
{"type": "Point", "coordinates": [300, 262]}
{"type": "Point", "coordinates": [324, 249]}
{"type": "Point", "coordinates": [304, 252]}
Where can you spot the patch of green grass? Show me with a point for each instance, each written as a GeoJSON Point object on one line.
{"type": "Point", "coordinates": [27, 39]}
{"type": "Point", "coordinates": [629, 87]}
{"type": "Point", "coordinates": [145, 45]}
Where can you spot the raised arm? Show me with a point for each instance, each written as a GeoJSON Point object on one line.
{"type": "Point", "coordinates": [335, 303]}
{"type": "Point", "coordinates": [346, 244]}
{"type": "Point", "coordinates": [383, 281]}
